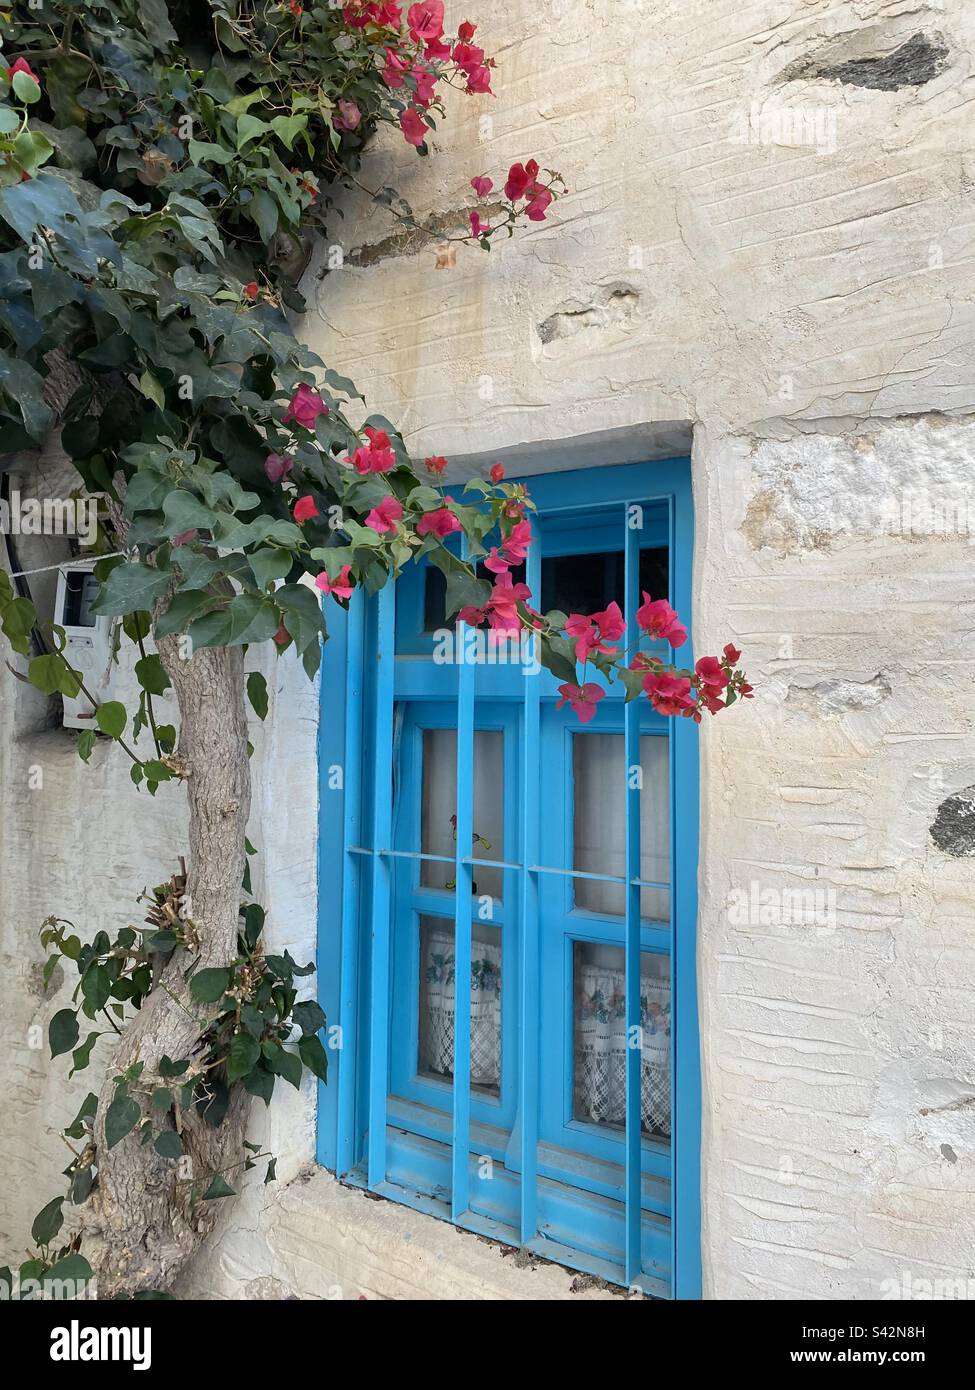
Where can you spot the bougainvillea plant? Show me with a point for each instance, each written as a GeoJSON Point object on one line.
{"type": "Point", "coordinates": [167, 168]}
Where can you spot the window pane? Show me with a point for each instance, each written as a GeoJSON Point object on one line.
{"type": "Point", "coordinates": [438, 1000]}
{"type": "Point", "coordinates": [599, 822]}
{"type": "Point", "coordinates": [440, 804]}
{"type": "Point", "coordinates": [599, 1038]}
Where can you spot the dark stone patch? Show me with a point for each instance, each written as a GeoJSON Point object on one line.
{"type": "Point", "coordinates": [954, 826]}
{"type": "Point", "coordinates": [911, 65]}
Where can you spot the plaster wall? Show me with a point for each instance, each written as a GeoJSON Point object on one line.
{"type": "Point", "coordinates": [765, 256]}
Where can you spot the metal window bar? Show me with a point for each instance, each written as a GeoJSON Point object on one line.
{"type": "Point", "coordinates": [351, 880]}
{"type": "Point", "coordinates": [530, 1040]}
{"type": "Point", "coordinates": [632, 1185]}
{"type": "Point", "coordinates": [381, 897]}
{"type": "Point", "coordinates": [464, 879]}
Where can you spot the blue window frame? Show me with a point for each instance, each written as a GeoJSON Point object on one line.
{"type": "Point", "coordinates": [578, 1133]}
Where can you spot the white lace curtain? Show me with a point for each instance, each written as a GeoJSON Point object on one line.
{"type": "Point", "coordinates": [439, 1001]}
{"type": "Point", "coordinates": [600, 1043]}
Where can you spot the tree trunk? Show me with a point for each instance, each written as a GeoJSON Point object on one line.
{"type": "Point", "coordinates": [144, 1218]}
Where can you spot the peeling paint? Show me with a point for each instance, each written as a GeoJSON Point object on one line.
{"type": "Point", "coordinates": [833, 697]}
{"type": "Point", "coordinates": [914, 63]}
{"type": "Point", "coordinates": [954, 826]}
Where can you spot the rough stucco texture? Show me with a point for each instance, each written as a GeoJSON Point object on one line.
{"type": "Point", "coordinates": [805, 303]}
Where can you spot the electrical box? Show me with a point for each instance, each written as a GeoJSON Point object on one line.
{"type": "Point", "coordinates": [88, 640]}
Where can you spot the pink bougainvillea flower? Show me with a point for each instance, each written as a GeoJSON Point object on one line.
{"type": "Point", "coordinates": [582, 698]}
{"type": "Point", "coordinates": [425, 82]}
{"type": "Point", "coordinates": [593, 634]}
{"type": "Point", "coordinates": [394, 73]}
{"type": "Point", "coordinates": [378, 438]}
{"type": "Point", "coordinates": [467, 56]}
{"type": "Point", "coordinates": [473, 617]}
{"type": "Point", "coordinates": [368, 459]}
{"type": "Point", "coordinates": [657, 618]}
{"type": "Point", "coordinates": [502, 604]}
{"type": "Point", "coordinates": [535, 209]}
{"type": "Point", "coordinates": [711, 674]}
{"type": "Point", "coordinates": [339, 588]}
{"type": "Point", "coordinates": [385, 515]}
{"type": "Point", "coordinates": [668, 694]}
{"type": "Point", "coordinates": [413, 126]}
{"type": "Point", "coordinates": [482, 185]}
{"type": "Point", "coordinates": [425, 21]}
{"type": "Point", "coordinates": [466, 31]}
{"type": "Point", "coordinates": [520, 178]}
{"type": "Point", "coordinates": [437, 51]}
{"type": "Point", "coordinates": [436, 465]}
{"type": "Point", "coordinates": [479, 81]}
{"type": "Point", "coordinates": [349, 115]}
{"type": "Point", "coordinates": [731, 654]}
{"type": "Point", "coordinates": [304, 509]}
{"type": "Point", "coordinates": [359, 13]}
{"type": "Point", "coordinates": [497, 472]}
{"type": "Point", "coordinates": [305, 407]}
{"type": "Point", "coordinates": [250, 290]}
{"type": "Point", "coordinates": [495, 562]}
{"type": "Point", "coordinates": [22, 65]}
{"type": "Point", "coordinates": [478, 228]}
{"type": "Point", "coordinates": [282, 637]}
{"type": "Point", "coordinates": [186, 537]}
{"type": "Point", "coordinates": [440, 522]}
{"type": "Point", "coordinates": [515, 546]}
{"type": "Point", "coordinates": [610, 622]}
{"type": "Point", "coordinates": [277, 467]}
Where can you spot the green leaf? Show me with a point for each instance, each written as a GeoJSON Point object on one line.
{"type": "Point", "coordinates": [86, 743]}
{"type": "Point", "coordinates": [257, 693]}
{"type": "Point", "coordinates": [51, 674]}
{"type": "Point", "coordinates": [168, 1144]}
{"type": "Point", "coordinates": [285, 1064]}
{"type": "Point", "coordinates": [82, 1055]}
{"type": "Point", "coordinates": [246, 618]}
{"type": "Point", "coordinates": [71, 1269]}
{"type": "Point", "coordinates": [63, 1032]}
{"type": "Point", "coordinates": [152, 387]}
{"type": "Point", "coordinates": [48, 1222]}
{"type": "Point", "coordinates": [219, 1187]}
{"type": "Point", "coordinates": [260, 1082]}
{"type": "Point", "coordinates": [313, 1055]}
{"type": "Point", "coordinates": [111, 718]}
{"type": "Point", "coordinates": [130, 587]}
{"type": "Point", "coordinates": [26, 87]}
{"type": "Point", "coordinates": [78, 1129]}
{"type": "Point", "coordinates": [308, 1016]}
{"type": "Point", "coordinates": [207, 986]}
{"type": "Point", "coordinates": [151, 676]}
{"type": "Point", "coordinates": [183, 608]}
{"type": "Point", "coordinates": [121, 1117]}
{"type": "Point", "coordinates": [269, 564]}
{"type": "Point", "coordinates": [244, 1053]}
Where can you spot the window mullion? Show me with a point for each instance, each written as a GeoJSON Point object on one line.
{"type": "Point", "coordinates": [631, 729]}
{"type": "Point", "coordinates": [463, 877]}
{"type": "Point", "coordinates": [528, 830]}
{"type": "Point", "coordinates": [351, 875]}
{"type": "Point", "coordinates": [382, 803]}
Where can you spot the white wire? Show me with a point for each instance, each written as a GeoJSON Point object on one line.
{"type": "Point", "coordinates": [44, 569]}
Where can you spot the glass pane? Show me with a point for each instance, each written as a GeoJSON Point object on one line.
{"type": "Point", "coordinates": [571, 583]}
{"type": "Point", "coordinates": [438, 833]}
{"type": "Point", "coordinates": [599, 1038]}
{"type": "Point", "coordinates": [599, 822]}
{"type": "Point", "coordinates": [438, 999]}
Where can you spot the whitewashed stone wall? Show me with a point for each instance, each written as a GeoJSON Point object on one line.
{"type": "Point", "coordinates": [767, 245]}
